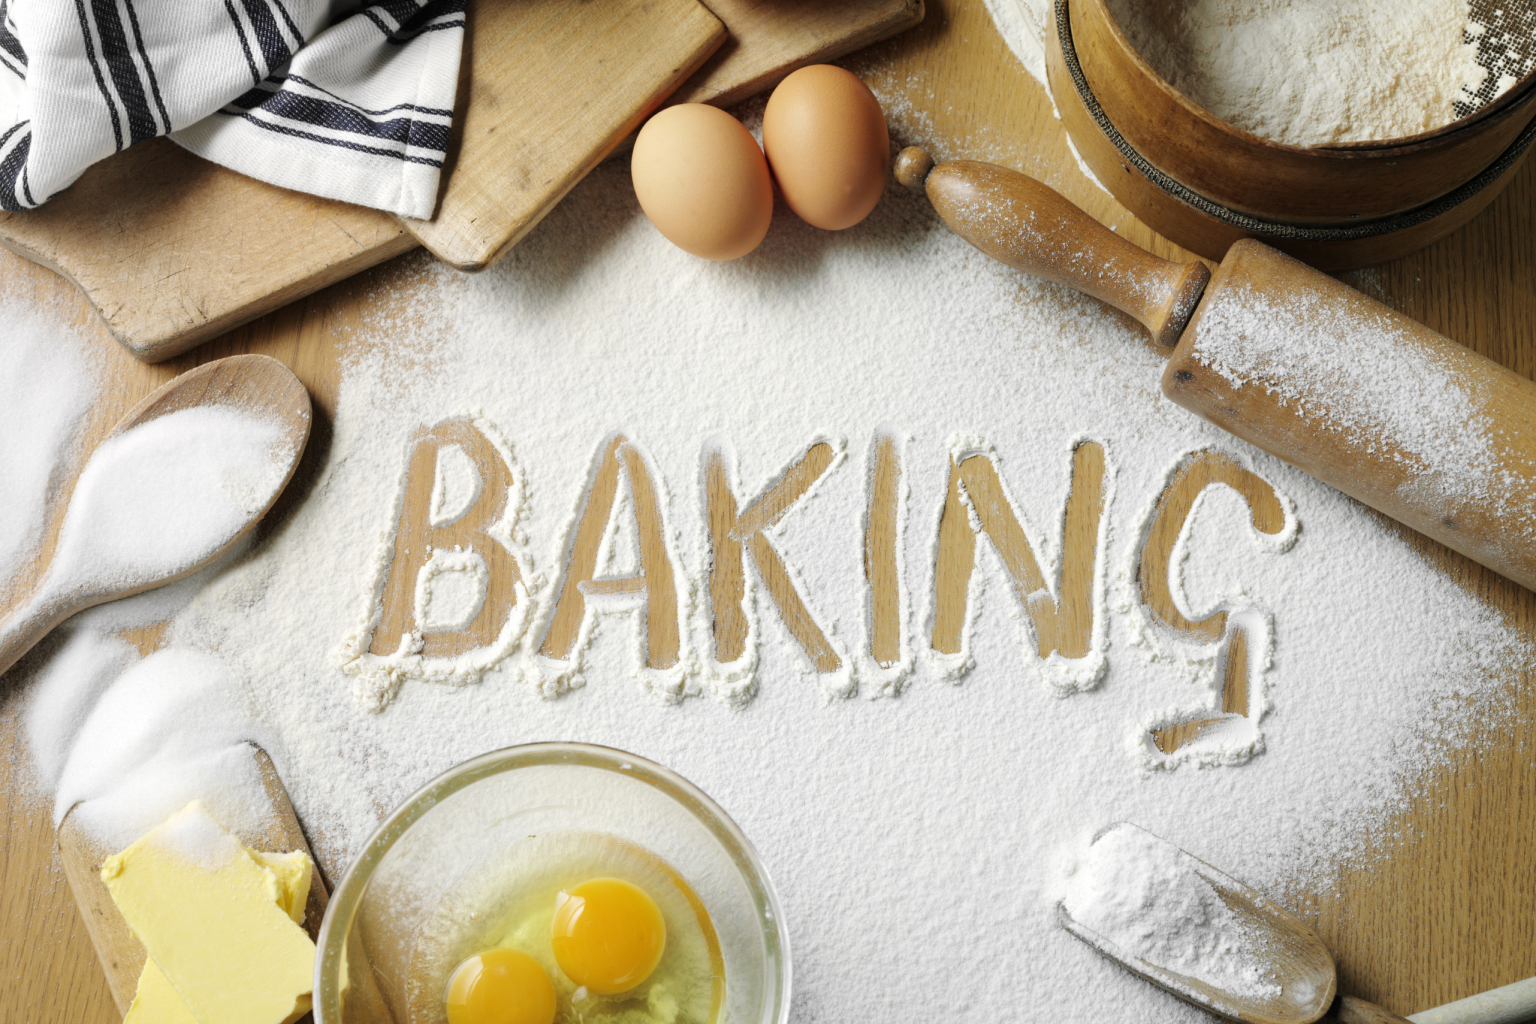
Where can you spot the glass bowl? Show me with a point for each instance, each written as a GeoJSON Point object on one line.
{"type": "Point", "coordinates": [369, 956]}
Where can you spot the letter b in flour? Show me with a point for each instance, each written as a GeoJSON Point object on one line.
{"type": "Point", "coordinates": [452, 601]}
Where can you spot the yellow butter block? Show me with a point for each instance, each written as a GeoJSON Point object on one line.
{"type": "Point", "coordinates": [155, 1000]}
{"type": "Point", "coordinates": [214, 921]}
{"type": "Point", "coordinates": [293, 871]}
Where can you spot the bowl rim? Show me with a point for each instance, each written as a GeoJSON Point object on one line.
{"type": "Point", "coordinates": [348, 893]}
{"type": "Point", "coordinates": [1503, 105]}
{"type": "Point", "coordinates": [1258, 226]}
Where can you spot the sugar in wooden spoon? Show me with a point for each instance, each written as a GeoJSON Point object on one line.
{"type": "Point", "coordinates": [181, 478]}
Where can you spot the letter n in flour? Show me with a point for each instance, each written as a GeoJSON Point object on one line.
{"type": "Point", "coordinates": [1236, 637]}
{"type": "Point", "coordinates": [1067, 617]}
{"type": "Point", "coordinates": [452, 600]}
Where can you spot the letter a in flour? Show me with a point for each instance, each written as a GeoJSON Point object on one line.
{"type": "Point", "coordinates": [653, 588]}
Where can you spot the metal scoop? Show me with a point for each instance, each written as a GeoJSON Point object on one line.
{"type": "Point", "coordinates": [1300, 967]}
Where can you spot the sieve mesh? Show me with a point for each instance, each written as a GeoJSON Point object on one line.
{"type": "Point", "coordinates": [1505, 33]}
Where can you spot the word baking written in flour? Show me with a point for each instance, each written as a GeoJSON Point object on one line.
{"type": "Point", "coordinates": [452, 596]}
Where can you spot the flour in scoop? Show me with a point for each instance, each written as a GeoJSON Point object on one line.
{"type": "Point", "coordinates": [166, 495]}
{"type": "Point", "coordinates": [1145, 897]}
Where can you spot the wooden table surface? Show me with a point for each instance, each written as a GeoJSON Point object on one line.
{"type": "Point", "coordinates": [1449, 910]}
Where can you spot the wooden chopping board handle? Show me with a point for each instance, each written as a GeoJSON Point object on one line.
{"type": "Point", "coordinates": [1349, 1010]}
{"type": "Point", "coordinates": [1030, 226]}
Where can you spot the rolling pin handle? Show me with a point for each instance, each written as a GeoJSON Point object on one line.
{"type": "Point", "coordinates": [912, 166]}
{"type": "Point", "coordinates": [1032, 227]}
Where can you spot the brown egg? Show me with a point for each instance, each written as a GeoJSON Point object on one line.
{"type": "Point", "coordinates": [825, 136]}
{"type": "Point", "coordinates": [703, 182]}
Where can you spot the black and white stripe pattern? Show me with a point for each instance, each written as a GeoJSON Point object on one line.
{"type": "Point", "coordinates": [12, 57]}
{"type": "Point", "coordinates": [359, 110]}
{"type": "Point", "coordinates": [296, 106]}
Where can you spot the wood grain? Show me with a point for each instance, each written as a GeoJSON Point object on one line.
{"type": "Point", "coordinates": [1419, 922]}
{"type": "Point", "coordinates": [173, 250]}
{"type": "Point", "coordinates": [1349, 1010]}
{"type": "Point", "coordinates": [769, 40]}
{"type": "Point", "coordinates": [552, 88]}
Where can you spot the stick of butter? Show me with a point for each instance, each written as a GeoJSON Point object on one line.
{"type": "Point", "coordinates": [217, 924]}
{"type": "Point", "coordinates": [155, 1000]}
{"type": "Point", "coordinates": [293, 871]}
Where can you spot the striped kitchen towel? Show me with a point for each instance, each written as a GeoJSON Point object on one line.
{"type": "Point", "coordinates": [346, 100]}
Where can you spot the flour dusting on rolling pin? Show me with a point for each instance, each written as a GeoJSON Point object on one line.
{"type": "Point", "coordinates": [1366, 399]}
{"type": "Point", "coordinates": [1286, 358]}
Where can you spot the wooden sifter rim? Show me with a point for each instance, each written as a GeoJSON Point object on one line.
{"type": "Point", "coordinates": [1280, 229]}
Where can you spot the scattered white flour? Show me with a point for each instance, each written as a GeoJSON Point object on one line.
{"type": "Point", "coordinates": [1313, 72]}
{"type": "Point", "coordinates": [455, 486]}
{"type": "Point", "coordinates": [1147, 898]}
{"type": "Point", "coordinates": [940, 810]}
{"type": "Point", "coordinates": [47, 387]}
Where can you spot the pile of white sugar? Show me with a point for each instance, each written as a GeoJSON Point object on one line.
{"type": "Point", "coordinates": [917, 817]}
{"type": "Point", "coordinates": [159, 498]}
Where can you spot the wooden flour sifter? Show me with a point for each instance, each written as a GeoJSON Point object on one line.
{"type": "Point", "coordinates": [1283, 356]}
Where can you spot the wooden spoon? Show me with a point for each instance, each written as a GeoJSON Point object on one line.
{"type": "Point", "coordinates": [256, 384]}
{"type": "Point", "coordinates": [1295, 957]}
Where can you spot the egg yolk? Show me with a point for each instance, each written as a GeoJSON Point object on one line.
{"type": "Point", "coordinates": [608, 935]}
{"type": "Point", "coordinates": [501, 986]}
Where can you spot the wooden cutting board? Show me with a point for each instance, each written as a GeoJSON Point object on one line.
{"type": "Point", "coordinates": [173, 251]}
{"type": "Point", "coordinates": [500, 187]}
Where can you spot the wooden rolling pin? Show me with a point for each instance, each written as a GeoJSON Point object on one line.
{"type": "Point", "coordinates": [1286, 358]}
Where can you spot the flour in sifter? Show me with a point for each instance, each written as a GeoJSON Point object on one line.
{"type": "Point", "coordinates": [1312, 72]}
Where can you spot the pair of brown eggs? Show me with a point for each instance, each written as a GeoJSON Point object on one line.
{"type": "Point", "coordinates": [706, 185]}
